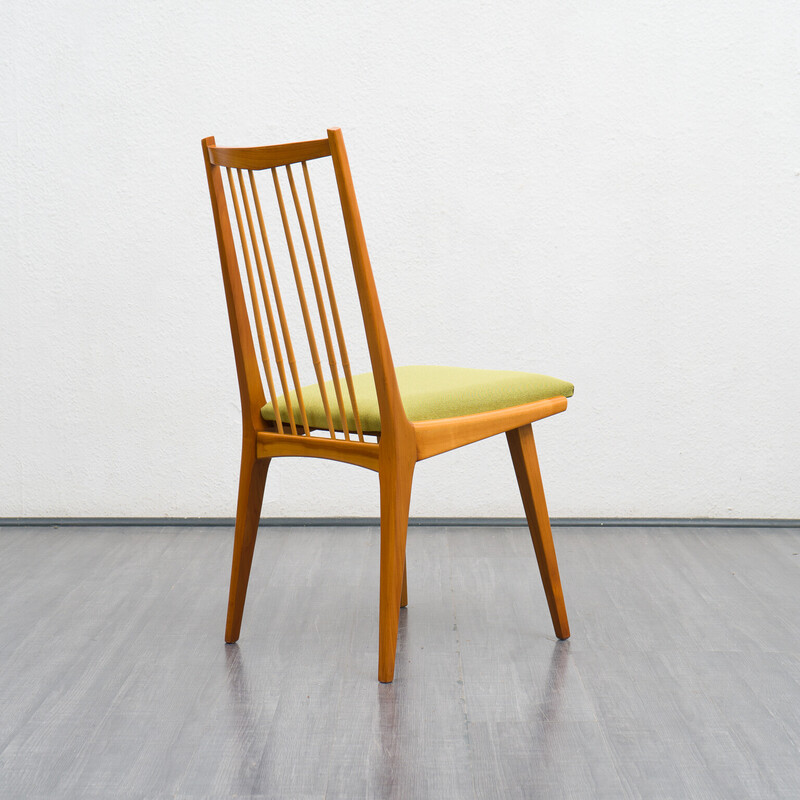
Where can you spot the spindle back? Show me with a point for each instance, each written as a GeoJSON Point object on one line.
{"type": "Point", "coordinates": [235, 174]}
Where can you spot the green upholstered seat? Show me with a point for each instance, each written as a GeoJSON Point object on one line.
{"type": "Point", "coordinates": [428, 393]}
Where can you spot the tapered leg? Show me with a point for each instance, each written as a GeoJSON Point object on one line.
{"type": "Point", "coordinates": [526, 465]}
{"type": "Point", "coordinates": [252, 477]}
{"type": "Point", "coordinates": [395, 482]}
{"type": "Point", "coordinates": [404, 590]}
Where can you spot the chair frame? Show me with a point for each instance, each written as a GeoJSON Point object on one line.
{"type": "Point", "coordinates": [401, 443]}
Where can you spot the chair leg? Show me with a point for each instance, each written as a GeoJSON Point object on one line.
{"type": "Point", "coordinates": [252, 477]}
{"type": "Point", "coordinates": [529, 478]}
{"type": "Point", "coordinates": [404, 590]}
{"type": "Point", "coordinates": [395, 498]}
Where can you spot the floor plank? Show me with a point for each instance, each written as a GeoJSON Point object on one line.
{"type": "Point", "coordinates": [681, 679]}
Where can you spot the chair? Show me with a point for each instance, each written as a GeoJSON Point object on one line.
{"type": "Point", "coordinates": [386, 420]}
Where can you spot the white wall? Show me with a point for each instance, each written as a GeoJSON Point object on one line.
{"type": "Point", "coordinates": [607, 192]}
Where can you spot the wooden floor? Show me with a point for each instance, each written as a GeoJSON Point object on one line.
{"type": "Point", "coordinates": [681, 680]}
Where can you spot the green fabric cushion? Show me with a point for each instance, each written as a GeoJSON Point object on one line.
{"type": "Point", "coordinates": [428, 393]}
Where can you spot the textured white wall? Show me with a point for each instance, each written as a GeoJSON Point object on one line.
{"type": "Point", "coordinates": [607, 192]}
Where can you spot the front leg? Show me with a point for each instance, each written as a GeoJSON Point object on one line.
{"type": "Point", "coordinates": [395, 479]}
{"type": "Point", "coordinates": [529, 478]}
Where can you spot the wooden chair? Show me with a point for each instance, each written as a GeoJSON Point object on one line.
{"type": "Point", "coordinates": [386, 420]}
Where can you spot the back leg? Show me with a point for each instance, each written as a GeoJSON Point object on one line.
{"type": "Point", "coordinates": [252, 477]}
{"type": "Point", "coordinates": [404, 590]}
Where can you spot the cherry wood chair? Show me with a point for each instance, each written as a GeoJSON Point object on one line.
{"type": "Point", "coordinates": [386, 420]}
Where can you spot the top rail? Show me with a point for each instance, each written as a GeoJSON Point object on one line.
{"type": "Point", "coordinates": [267, 157]}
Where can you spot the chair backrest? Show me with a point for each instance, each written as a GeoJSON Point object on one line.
{"type": "Point", "coordinates": [238, 168]}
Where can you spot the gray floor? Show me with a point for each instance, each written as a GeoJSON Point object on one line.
{"type": "Point", "coordinates": [681, 680]}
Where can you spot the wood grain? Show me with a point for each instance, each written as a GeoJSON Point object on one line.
{"type": "Point", "coordinates": [529, 478]}
{"type": "Point", "coordinates": [337, 322]}
{"type": "Point", "coordinates": [396, 472]}
{"type": "Point", "coordinates": [252, 477]}
{"type": "Point", "coordinates": [362, 454]}
{"type": "Point", "coordinates": [251, 390]}
{"type": "Point", "coordinates": [404, 590]}
{"type": "Point", "coordinates": [320, 303]}
{"type": "Point", "coordinates": [440, 435]}
{"type": "Point", "coordinates": [270, 156]}
{"type": "Point", "coordinates": [265, 359]}
{"type": "Point", "coordinates": [301, 296]}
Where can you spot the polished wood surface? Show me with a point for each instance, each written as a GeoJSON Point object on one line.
{"type": "Point", "coordinates": [267, 305]}
{"type": "Point", "coordinates": [400, 444]}
{"type": "Point", "coordinates": [320, 302]}
{"type": "Point", "coordinates": [285, 331]}
{"type": "Point", "coordinates": [362, 454]}
{"type": "Point", "coordinates": [251, 390]}
{"type": "Point", "coordinates": [440, 435]}
{"type": "Point", "coordinates": [337, 322]}
{"type": "Point", "coordinates": [395, 472]}
{"type": "Point", "coordinates": [301, 296]}
{"type": "Point", "coordinates": [265, 359]}
{"type": "Point", "coordinates": [252, 477]}
{"type": "Point", "coordinates": [529, 478]}
{"type": "Point", "coordinates": [404, 590]}
{"type": "Point", "coordinates": [269, 156]}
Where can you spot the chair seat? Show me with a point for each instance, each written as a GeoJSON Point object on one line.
{"type": "Point", "coordinates": [427, 393]}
